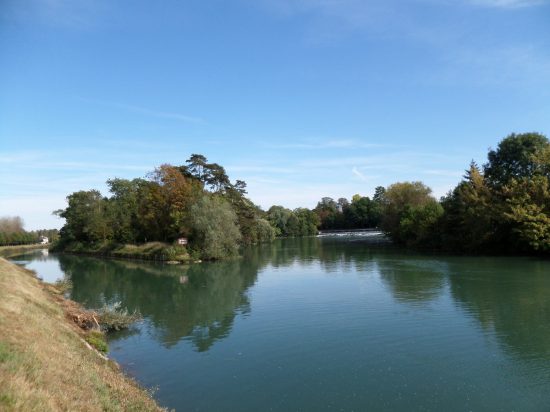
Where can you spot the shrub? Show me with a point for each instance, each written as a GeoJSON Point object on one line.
{"type": "Point", "coordinates": [112, 317]}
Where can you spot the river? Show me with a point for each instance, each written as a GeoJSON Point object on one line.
{"type": "Point", "coordinates": [344, 323]}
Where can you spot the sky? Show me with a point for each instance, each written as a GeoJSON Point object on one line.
{"type": "Point", "coordinates": [301, 99]}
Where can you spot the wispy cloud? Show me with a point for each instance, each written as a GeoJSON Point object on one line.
{"type": "Point", "coordinates": [330, 144]}
{"type": "Point", "coordinates": [510, 65]}
{"type": "Point", "coordinates": [148, 112]}
{"type": "Point", "coordinates": [262, 169]}
{"type": "Point", "coordinates": [18, 157]}
{"type": "Point", "coordinates": [157, 113]}
{"type": "Point", "coordinates": [360, 175]}
{"type": "Point", "coordinates": [388, 160]}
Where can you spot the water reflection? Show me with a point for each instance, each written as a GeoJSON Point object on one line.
{"type": "Point", "coordinates": [201, 308]}
{"type": "Point", "coordinates": [41, 262]}
{"type": "Point", "coordinates": [510, 299]}
{"type": "Point", "coordinates": [414, 280]}
{"type": "Point", "coordinates": [309, 324]}
{"type": "Point", "coordinates": [331, 253]}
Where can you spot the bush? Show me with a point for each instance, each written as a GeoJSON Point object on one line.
{"type": "Point", "coordinates": [112, 317]}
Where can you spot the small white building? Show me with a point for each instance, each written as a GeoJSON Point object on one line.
{"type": "Point", "coordinates": [44, 240]}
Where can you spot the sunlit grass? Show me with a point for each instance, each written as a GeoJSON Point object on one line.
{"type": "Point", "coordinates": [45, 363]}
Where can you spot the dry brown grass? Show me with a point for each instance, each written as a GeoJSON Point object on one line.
{"type": "Point", "coordinates": [44, 363]}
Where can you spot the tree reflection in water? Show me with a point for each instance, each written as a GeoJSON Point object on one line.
{"type": "Point", "coordinates": [199, 303]}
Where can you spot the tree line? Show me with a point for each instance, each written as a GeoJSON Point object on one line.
{"type": "Point", "coordinates": [196, 200]}
{"type": "Point", "coordinates": [12, 232]}
{"type": "Point", "coordinates": [501, 206]}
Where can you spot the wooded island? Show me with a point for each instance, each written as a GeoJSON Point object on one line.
{"type": "Point", "coordinates": [500, 207]}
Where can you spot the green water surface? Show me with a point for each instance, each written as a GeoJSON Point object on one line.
{"type": "Point", "coordinates": [334, 323]}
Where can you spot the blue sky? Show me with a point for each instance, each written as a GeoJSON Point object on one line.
{"type": "Point", "coordinates": [301, 99]}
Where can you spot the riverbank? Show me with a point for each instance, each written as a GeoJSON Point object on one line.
{"type": "Point", "coordinates": [7, 251]}
{"type": "Point", "coordinates": [44, 362]}
{"type": "Point", "coordinates": [156, 251]}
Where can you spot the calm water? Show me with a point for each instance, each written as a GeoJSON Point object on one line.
{"type": "Point", "coordinates": [331, 323]}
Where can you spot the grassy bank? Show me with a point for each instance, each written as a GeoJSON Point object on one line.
{"type": "Point", "coordinates": [45, 365]}
{"type": "Point", "coordinates": [16, 250]}
{"type": "Point", "coordinates": [148, 251]}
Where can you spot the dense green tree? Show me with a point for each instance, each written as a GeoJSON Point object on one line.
{"type": "Point", "coordinates": [471, 215]}
{"type": "Point", "coordinates": [514, 158]}
{"type": "Point", "coordinates": [124, 204]}
{"type": "Point", "coordinates": [405, 205]}
{"type": "Point", "coordinates": [163, 207]}
{"type": "Point", "coordinates": [86, 217]}
{"type": "Point", "coordinates": [527, 208]}
{"type": "Point", "coordinates": [278, 217]}
{"type": "Point", "coordinates": [419, 225]}
{"type": "Point", "coordinates": [293, 223]}
{"type": "Point", "coordinates": [359, 214]}
{"type": "Point", "coordinates": [308, 222]}
{"type": "Point", "coordinates": [214, 227]}
{"type": "Point", "coordinates": [330, 213]}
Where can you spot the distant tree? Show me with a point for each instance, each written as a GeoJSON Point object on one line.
{"type": "Point", "coordinates": [278, 216]}
{"type": "Point", "coordinates": [308, 222]}
{"type": "Point", "coordinates": [261, 231]}
{"type": "Point", "coordinates": [216, 178]}
{"type": "Point", "coordinates": [240, 186]}
{"type": "Point", "coordinates": [293, 223]}
{"type": "Point", "coordinates": [13, 233]}
{"type": "Point", "coordinates": [406, 200]}
{"type": "Point", "coordinates": [196, 166]}
{"type": "Point", "coordinates": [358, 215]}
{"type": "Point", "coordinates": [379, 192]}
{"type": "Point", "coordinates": [342, 203]}
{"type": "Point", "coordinates": [329, 213]}
{"type": "Point", "coordinates": [11, 224]}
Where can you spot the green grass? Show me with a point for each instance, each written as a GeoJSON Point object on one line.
{"type": "Point", "coordinates": [9, 358]}
{"type": "Point", "coordinates": [97, 340]}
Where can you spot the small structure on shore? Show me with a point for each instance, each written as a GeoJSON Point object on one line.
{"type": "Point", "coordinates": [44, 240]}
